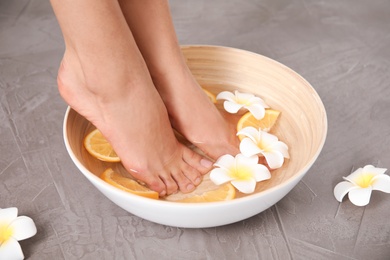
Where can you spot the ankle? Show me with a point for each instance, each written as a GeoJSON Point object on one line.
{"type": "Point", "coordinates": [165, 75]}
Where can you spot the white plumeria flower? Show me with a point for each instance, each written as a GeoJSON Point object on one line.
{"type": "Point", "coordinates": [258, 142]}
{"type": "Point", "coordinates": [243, 172]}
{"type": "Point", "coordinates": [12, 230]}
{"type": "Point", "coordinates": [361, 183]}
{"type": "Point", "coordinates": [234, 102]}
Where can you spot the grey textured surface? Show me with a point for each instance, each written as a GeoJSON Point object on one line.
{"type": "Point", "coordinates": [342, 47]}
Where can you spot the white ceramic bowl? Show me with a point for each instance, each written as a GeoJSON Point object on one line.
{"type": "Point", "coordinates": [302, 125]}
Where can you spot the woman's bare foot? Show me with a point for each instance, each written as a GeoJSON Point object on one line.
{"type": "Point", "coordinates": [103, 76]}
{"type": "Point", "coordinates": [134, 120]}
{"type": "Point", "coordinates": [190, 111]}
{"type": "Point", "coordinates": [193, 114]}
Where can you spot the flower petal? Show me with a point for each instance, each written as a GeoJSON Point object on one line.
{"type": "Point", "coordinates": [368, 169]}
{"type": "Point", "coordinates": [11, 250]}
{"type": "Point", "coordinates": [275, 159]}
{"type": "Point", "coordinates": [257, 110]}
{"type": "Point", "coordinates": [281, 147]}
{"type": "Point", "coordinates": [381, 183]}
{"type": "Point", "coordinates": [250, 132]}
{"type": "Point", "coordinates": [232, 107]}
{"type": "Point", "coordinates": [360, 197]}
{"type": "Point", "coordinates": [261, 173]}
{"type": "Point", "coordinates": [259, 101]}
{"type": "Point", "coordinates": [246, 161]}
{"type": "Point", "coordinates": [354, 175]}
{"type": "Point", "coordinates": [227, 95]}
{"type": "Point", "coordinates": [219, 176]}
{"type": "Point", "coordinates": [268, 138]}
{"type": "Point", "coordinates": [342, 189]}
{"type": "Point", "coordinates": [225, 161]}
{"type": "Point", "coordinates": [242, 96]}
{"type": "Point", "coordinates": [23, 227]}
{"type": "Point", "coordinates": [248, 147]}
{"type": "Point", "coordinates": [7, 215]}
{"type": "Point", "coordinates": [247, 186]}
{"type": "Point", "coordinates": [374, 170]}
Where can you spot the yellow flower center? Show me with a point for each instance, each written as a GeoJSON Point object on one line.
{"type": "Point", "coordinates": [264, 146]}
{"type": "Point", "coordinates": [5, 233]}
{"type": "Point", "coordinates": [365, 180]}
{"type": "Point", "coordinates": [242, 101]}
{"type": "Point", "coordinates": [241, 173]}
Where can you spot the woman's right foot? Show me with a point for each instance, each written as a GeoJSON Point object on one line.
{"type": "Point", "coordinates": [103, 76]}
{"type": "Point", "coordinates": [131, 115]}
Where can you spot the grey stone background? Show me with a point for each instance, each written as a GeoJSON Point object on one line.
{"type": "Point", "coordinates": [342, 47]}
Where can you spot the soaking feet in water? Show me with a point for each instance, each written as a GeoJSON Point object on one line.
{"type": "Point", "coordinates": [134, 92]}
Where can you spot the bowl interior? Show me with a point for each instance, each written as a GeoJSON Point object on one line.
{"type": "Point", "coordinates": [302, 124]}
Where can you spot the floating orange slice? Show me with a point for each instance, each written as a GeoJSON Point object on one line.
{"type": "Point", "coordinates": [265, 124]}
{"type": "Point", "coordinates": [97, 145]}
{"type": "Point", "coordinates": [225, 192]}
{"type": "Point", "coordinates": [127, 184]}
{"type": "Point", "coordinates": [207, 191]}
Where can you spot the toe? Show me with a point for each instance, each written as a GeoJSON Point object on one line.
{"type": "Point", "coordinates": [153, 182]}
{"type": "Point", "coordinates": [184, 183]}
{"type": "Point", "coordinates": [196, 161]}
{"type": "Point", "coordinates": [192, 174]}
{"type": "Point", "coordinates": [170, 183]}
{"type": "Point", "coordinates": [158, 186]}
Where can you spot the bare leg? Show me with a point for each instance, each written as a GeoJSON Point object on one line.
{"type": "Point", "coordinates": [103, 76]}
{"type": "Point", "coordinates": [187, 105]}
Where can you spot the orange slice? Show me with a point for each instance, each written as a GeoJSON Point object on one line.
{"type": "Point", "coordinates": [211, 96]}
{"type": "Point", "coordinates": [265, 124]}
{"type": "Point", "coordinates": [207, 191]}
{"type": "Point", "coordinates": [97, 145]}
{"type": "Point", "coordinates": [225, 192]}
{"type": "Point", "coordinates": [127, 184]}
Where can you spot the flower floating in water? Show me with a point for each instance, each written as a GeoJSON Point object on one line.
{"type": "Point", "coordinates": [12, 230]}
{"type": "Point", "coordinates": [243, 172]}
{"type": "Point", "coordinates": [234, 102]}
{"type": "Point", "coordinates": [258, 142]}
{"type": "Point", "coordinates": [361, 183]}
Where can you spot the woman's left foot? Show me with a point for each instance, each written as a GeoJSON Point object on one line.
{"type": "Point", "coordinates": [194, 116]}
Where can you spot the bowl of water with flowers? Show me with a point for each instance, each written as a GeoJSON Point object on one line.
{"type": "Point", "coordinates": [281, 123]}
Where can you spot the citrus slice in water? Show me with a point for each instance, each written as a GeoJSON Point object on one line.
{"type": "Point", "coordinates": [97, 145]}
{"type": "Point", "coordinates": [207, 191]}
{"type": "Point", "coordinates": [225, 192]}
{"type": "Point", "coordinates": [265, 124]}
{"type": "Point", "coordinates": [127, 184]}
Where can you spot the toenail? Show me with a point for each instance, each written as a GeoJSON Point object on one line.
{"type": "Point", "coordinates": [163, 193]}
{"type": "Point", "coordinates": [197, 181]}
{"type": "Point", "coordinates": [190, 187]}
{"type": "Point", "coordinates": [206, 163]}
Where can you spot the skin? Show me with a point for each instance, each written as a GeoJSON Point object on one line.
{"type": "Point", "coordinates": [159, 46]}
{"type": "Point", "coordinates": [124, 72]}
